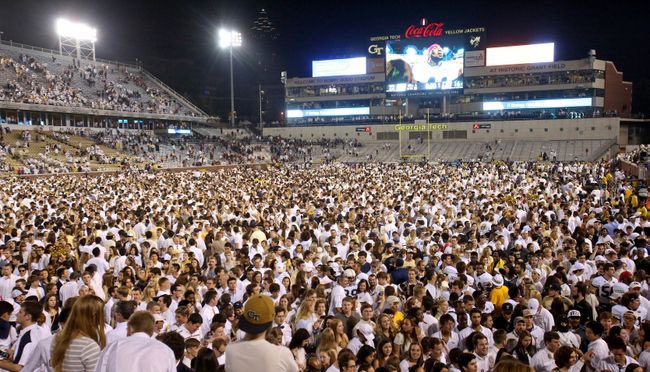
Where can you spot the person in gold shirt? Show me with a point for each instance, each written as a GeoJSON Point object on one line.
{"type": "Point", "coordinates": [499, 293]}
{"type": "Point", "coordinates": [398, 316]}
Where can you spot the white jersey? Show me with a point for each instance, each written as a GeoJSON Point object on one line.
{"type": "Point", "coordinates": [351, 291]}
{"type": "Point", "coordinates": [605, 288]}
{"type": "Point", "coordinates": [640, 314]}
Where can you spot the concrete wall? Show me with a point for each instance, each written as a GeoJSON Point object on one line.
{"type": "Point", "coordinates": [618, 93]}
{"type": "Point", "coordinates": [533, 130]}
{"type": "Point", "coordinates": [51, 128]}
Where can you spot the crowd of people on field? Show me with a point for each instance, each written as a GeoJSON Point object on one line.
{"type": "Point", "coordinates": [368, 267]}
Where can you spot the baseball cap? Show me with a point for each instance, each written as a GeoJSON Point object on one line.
{"type": "Point", "coordinates": [577, 266]}
{"type": "Point", "coordinates": [349, 273]}
{"type": "Point", "coordinates": [574, 314]}
{"type": "Point", "coordinates": [258, 315]}
{"type": "Point", "coordinates": [520, 319]}
{"type": "Point", "coordinates": [527, 313]}
{"type": "Point", "coordinates": [158, 318]}
{"type": "Point", "coordinates": [392, 299]}
{"type": "Point", "coordinates": [635, 285]}
{"type": "Point", "coordinates": [533, 305]}
{"type": "Point", "coordinates": [507, 307]}
{"type": "Point", "coordinates": [367, 331]}
{"type": "Point", "coordinates": [618, 290]}
{"type": "Point", "coordinates": [17, 292]}
{"type": "Point", "coordinates": [556, 287]}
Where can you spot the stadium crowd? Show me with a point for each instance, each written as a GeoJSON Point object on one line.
{"type": "Point", "coordinates": [371, 267]}
{"type": "Point", "coordinates": [29, 80]}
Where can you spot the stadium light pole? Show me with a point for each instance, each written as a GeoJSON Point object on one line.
{"type": "Point", "coordinates": [76, 39]}
{"type": "Point", "coordinates": [230, 39]}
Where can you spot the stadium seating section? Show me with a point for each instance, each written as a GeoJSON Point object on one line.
{"type": "Point", "coordinates": [30, 76]}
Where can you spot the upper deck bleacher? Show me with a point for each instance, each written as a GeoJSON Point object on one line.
{"type": "Point", "coordinates": [40, 79]}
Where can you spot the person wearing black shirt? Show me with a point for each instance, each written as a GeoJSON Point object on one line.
{"type": "Point", "coordinates": [580, 304]}
{"type": "Point", "coordinates": [504, 320]}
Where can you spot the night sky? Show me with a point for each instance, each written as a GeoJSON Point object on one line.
{"type": "Point", "coordinates": [176, 40]}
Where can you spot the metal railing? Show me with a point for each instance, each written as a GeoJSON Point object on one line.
{"type": "Point", "coordinates": [173, 92]}
{"type": "Point", "coordinates": [50, 52]}
{"type": "Point", "coordinates": [96, 112]}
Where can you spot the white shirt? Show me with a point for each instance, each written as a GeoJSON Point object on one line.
{"type": "Point", "coordinates": [469, 330]}
{"type": "Point", "coordinates": [36, 334]}
{"type": "Point", "coordinates": [600, 351]}
{"type": "Point", "coordinates": [453, 341]}
{"type": "Point", "coordinates": [337, 295]}
{"type": "Point", "coordinates": [120, 263]}
{"type": "Point", "coordinates": [207, 313]}
{"type": "Point", "coordinates": [544, 319]}
{"type": "Point", "coordinates": [644, 358]}
{"type": "Point", "coordinates": [286, 332]}
{"type": "Point", "coordinates": [137, 353]}
{"type": "Point", "coordinates": [538, 336]}
{"type": "Point", "coordinates": [183, 331]}
{"type": "Point", "coordinates": [259, 355]}
{"type": "Point", "coordinates": [355, 344]}
{"type": "Point", "coordinates": [482, 363]}
{"type": "Point", "coordinates": [609, 364]}
{"type": "Point", "coordinates": [108, 309]}
{"type": "Point", "coordinates": [6, 285]}
{"type": "Point", "coordinates": [40, 361]}
{"type": "Point", "coordinates": [117, 333]}
{"type": "Point", "coordinates": [543, 361]}
{"type": "Point", "coordinates": [100, 263]}
{"type": "Point", "coordinates": [6, 343]}
{"type": "Point", "coordinates": [68, 290]}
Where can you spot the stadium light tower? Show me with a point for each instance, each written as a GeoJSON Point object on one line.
{"type": "Point", "coordinates": [76, 39]}
{"type": "Point", "coordinates": [230, 39]}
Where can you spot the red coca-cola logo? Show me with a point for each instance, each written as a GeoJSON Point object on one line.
{"type": "Point", "coordinates": [430, 30]}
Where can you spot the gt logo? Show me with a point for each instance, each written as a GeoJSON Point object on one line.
{"type": "Point", "coordinates": [253, 315]}
{"type": "Point", "coordinates": [375, 49]}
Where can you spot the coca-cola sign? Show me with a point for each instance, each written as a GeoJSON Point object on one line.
{"type": "Point", "coordinates": [429, 30]}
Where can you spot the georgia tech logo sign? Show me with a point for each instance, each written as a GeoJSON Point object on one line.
{"type": "Point", "coordinates": [375, 49]}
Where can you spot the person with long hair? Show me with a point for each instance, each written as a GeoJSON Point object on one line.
{"type": "Point", "coordinates": [367, 358]}
{"type": "Point", "coordinates": [328, 358]}
{"type": "Point", "coordinates": [384, 329]}
{"type": "Point", "coordinates": [363, 293]}
{"type": "Point", "coordinates": [409, 333]}
{"type": "Point", "coordinates": [328, 341]}
{"type": "Point", "coordinates": [414, 358]}
{"type": "Point", "coordinates": [634, 367]}
{"type": "Point", "coordinates": [566, 359]}
{"type": "Point", "coordinates": [149, 293]}
{"type": "Point", "coordinates": [384, 351]}
{"type": "Point", "coordinates": [52, 311]}
{"type": "Point", "coordinates": [525, 348]}
{"type": "Point", "coordinates": [339, 331]}
{"type": "Point", "coordinates": [78, 346]}
{"type": "Point", "coordinates": [306, 316]}
{"type": "Point", "coordinates": [297, 346]}
{"type": "Point", "coordinates": [314, 364]}
{"type": "Point", "coordinates": [205, 361]}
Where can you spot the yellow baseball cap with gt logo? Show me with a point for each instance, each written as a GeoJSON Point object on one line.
{"type": "Point", "coordinates": [258, 315]}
